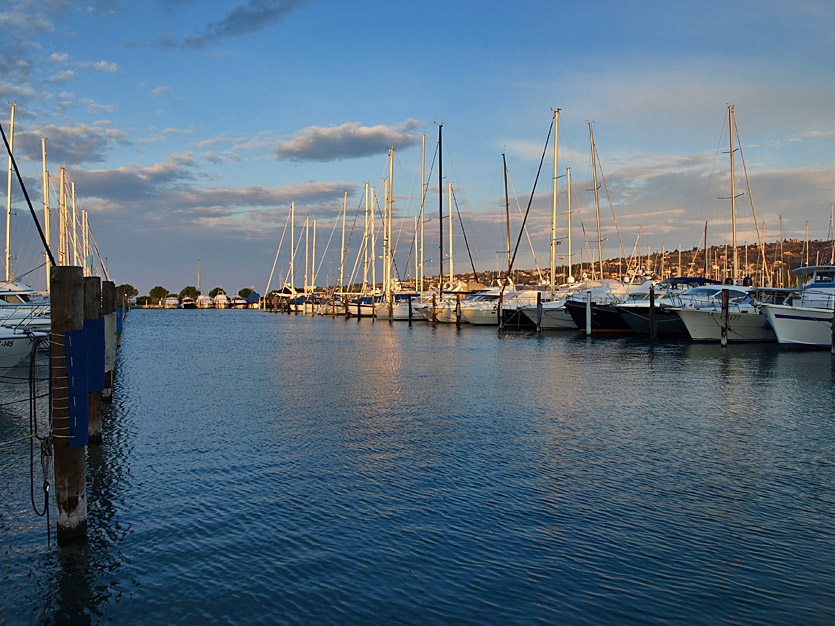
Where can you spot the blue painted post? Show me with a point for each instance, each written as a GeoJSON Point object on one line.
{"type": "Point", "coordinates": [67, 304]}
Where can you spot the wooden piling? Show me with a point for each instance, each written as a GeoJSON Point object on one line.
{"type": "Point", "coordinates": [108, 312]}
{"type": "Point", "coordinates": [67, 309]}
{"type": "Point", "coordinates": [120, 312]}
{"type": "Point", "coordinates": [588, 314]}
{"type": "Point", "coordinates": [724, 323]}
{"type": "Point", "coordinates": [653, 331]}
{"type": "Point", "coordinates": [539, 311]}
{"type": "Point", "coordinates": [410, 314]}
{"type": "Point", "coordinates": [434, 311]}
{"type": "Point", "coordinates": [92, 311]}
{"type": "Point", "coordinates": [500, 310]}
{"type": "Point", "coordinates": [833, 326]}
{"type": "Point", "coordinates": [458, 309]}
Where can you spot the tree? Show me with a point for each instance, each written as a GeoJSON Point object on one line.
{"type": "Point", "coordinates": [158, 293]}
{"type": "Point", "coordinates": [244, 293]}
{"type": "Point", "coordinates": [129, 290]}
{"type": "Point", "coordinates": [215, 291]}
{"type": "Point", "coordinates": [189, 292]}
{"type": "Point", "coordinates": [143, 300]}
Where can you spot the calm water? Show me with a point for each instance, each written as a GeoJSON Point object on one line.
{"type": "Point", "coordinates": [262, 468]}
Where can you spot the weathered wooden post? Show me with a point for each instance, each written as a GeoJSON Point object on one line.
{"type": "Point", "coordinates": [434, 310]}
{"type": "Point", "coordinates": [724, 327]}
{"type": "Point", "coordinates": [410, 309]}
{"type": "Point", "coordinates": [833, 325]}
{"type": "Point", "coordinates": [94, 325]}
{"type": "Point", "coordinates": [458, 309]}
{"type": "Point", "coordinates": [539, 311]}
{"type": "Point", "coordinates": [108, 313]}
{"type": "Point", "coordinates": [500, 310]}
{"type": "Point", "coordinates": [120, 315]}
{"type": "Point", "coordinates": [653, 332]}
{"type": "Point", "coordinates": [588, 313]}
{"type": "Point", "coordinates": [69, 446]}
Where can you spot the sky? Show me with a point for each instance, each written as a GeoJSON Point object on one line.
{"type": "Point", "coordinates": [189, 127]}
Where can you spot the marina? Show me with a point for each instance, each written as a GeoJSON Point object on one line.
{"type": "Point", "coordinates": [551, 478]}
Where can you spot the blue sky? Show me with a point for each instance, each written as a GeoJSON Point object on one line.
{"type": "Point", "coordinates": [189, 126]}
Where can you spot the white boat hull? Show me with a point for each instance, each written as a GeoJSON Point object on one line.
{"type": "Point", "coordinates": [14, 347]}
{"type": "Point", "coordinates": [800, 327]}
{"type": "Point", "coordinates": [743, 325]}
{"type": "Point", "coordinates": [482, 315]}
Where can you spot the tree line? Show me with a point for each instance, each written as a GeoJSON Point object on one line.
{"type": "Point", "coordinates": [160, 293]}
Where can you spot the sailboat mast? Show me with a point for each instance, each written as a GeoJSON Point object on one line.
{"type": "Point", "coordinates": [9, 200]}
{"type": "Point", "coordinates": [199, 291]}
{"type": "Point", "coordinates": [313, 261]}
{"type": "Point", "coordinates": [74, 227]}
{"type": "Point", "coordinates": [342, 251]}
{"type": "Point", "coordinates": [388, 226]}
{"type": "Point", "coordinates": [422, 201]}
{"type": "Point", "coordinates": [554, 215]}
{"type": "Point", "coordinates": [292, 248]}
{"type": "Point", "coordinates": [306, 251]}
{"type": "Point", "coordinates": [85, 241]}
{"type": "Point", "coordinates": [596, 201]}
{"type": "Point", "coordinates": [451, 271]}
{"type": "Point", "coordinates": [62, 218]}
{"type": "Point", "coordinates": [365, 245]}
{"type": "Point", "coordinates": [47, 264]}
{"type": "Point", "coordinates": [706, 259]}
{"type": "Point", "coordinates": [440, 212]}
{"type": "Point", "coordinates": [373, 244]}
{"type": "Point", "coordinates": [506, 211]}
{"type": "Point", "coordinates": [733, 193]}
{"type": "Point", "coordinates": [570, 274]}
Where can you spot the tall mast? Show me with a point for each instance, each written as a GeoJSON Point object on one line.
{"type": "Point", "coordinates": [47, 264]}
{"type": "Point", "coordinates": [198, 278]}
{"type": "Point", "coordinates": [554, 215]}
{"type": "Point", "coordinates": [62, 219]}
{"type": "Point", "coordinates": [292, 247]}
{"type": "Point", "coordinates": [440, 213]}
{"type": "Point", "coordinates": [9, 201]}
{"type": "Point", "coordinates": [306, 251]}
{"type": "Point", "coordinates": [313, 261]}
{"type": "Point", "coordinates": [365, 245]}
{"type": "Point", "coordinates": [373, 245]}
{"type": "Point", "coordinates": [570, 274]}
{"type": "Point", "coordinates": [451, 272]}
{"type": "Point", "coordinates": [74, 227]}
{"type": "Point", "coordinates": [85, 241]}
{"type": "Point", "coordinates": [388, 226]}
{"type": "Point", "coordinates": [596, 201]}
{"type": "Point", "coordinates": [422, 199]}
{"type": "Point", "coordinates": [733, 193]}
{"type": "Point", "coordinates": [342, 252]}
{"type": "Point", "coordinates": [706, 259]}
{"type": "Point", "coordinates": [506, 211]}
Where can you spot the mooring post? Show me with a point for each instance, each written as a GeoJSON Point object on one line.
{"type": "Point", "coordinates": [458, 309]}
{"type": "Point", "coordinates": [833, 325]}
{"type": "Point", "coordinates": [410, 309]}
{"type": "Point", "coordinates": [724, 339]}
{"type": "Point", "coordinates": [539, 311]}
{"type": "Point", "coordinates": [108, 312]}
{"type": "Point", "coordinates": [434, 311]}
{"type": "Point", "coordinates": [94, 325]}
{"type": "Point", "coordinates": [67, 309]}
{"type": "Point", "coordinates": [120, 315]}
{"type": "Point", "coordinates": [652, 321]}
{"type": "Point", "coordinates": [500, 310]}
{"type": "Point", "coordinates": [588, 313]}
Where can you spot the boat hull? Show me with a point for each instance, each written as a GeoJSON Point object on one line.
{"type": "Point", "coordinates": [667, 322]}
{"type": "Point", "coordinates": [605, 318]}
{"type": "Point", "coordinates": [705, 325]}
{"type": "Point", "coordinates": [800, 327]}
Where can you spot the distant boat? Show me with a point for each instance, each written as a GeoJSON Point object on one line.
{"type": "Point", "coordinates": [237, 302]}
{"type": "Point", "coordinates": [188, 303]}
{"type": "Point", "coordinates": [171, 302]}
{"type": "Point", "coordinates": [221, 301]}
{"type": "Point", "coordinates": [204, 302]}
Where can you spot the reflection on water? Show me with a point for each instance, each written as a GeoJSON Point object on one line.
{"type": "Point", "coordinates": [259, 468]}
